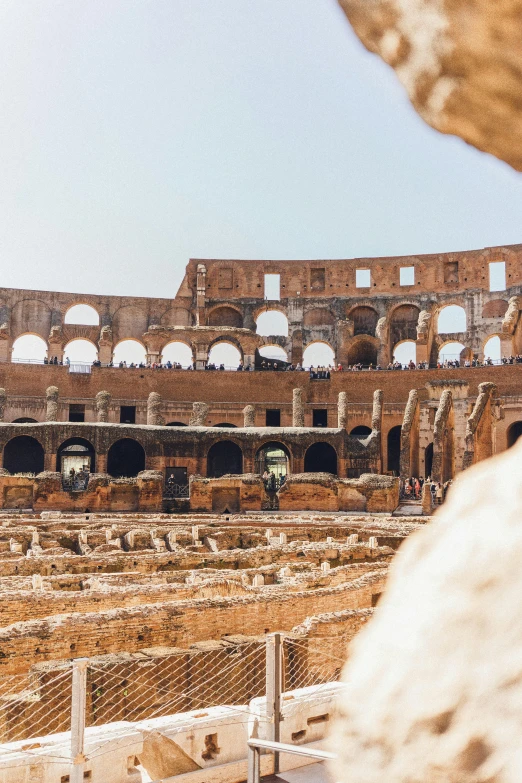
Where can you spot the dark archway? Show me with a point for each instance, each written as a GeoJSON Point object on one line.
{"type": "Point", "coordinates": [428, 460]}
{"type": "Point", "coordinates": [175, 424]}
{"type": "Point", "coordinates": [224, 457]}
{"type": "Point", "coordinates": [77, 454]}
{"type": "Point", "coordinates": [394, 450]}
{"type": "Point", "coordinates": [361, 432]}
{"type": "Point", "coordinates": [364, 320]}
{"type": "Point", "coordinates": [126, 458]}
{"type": "Point", "coordinates": [362, 352]}
{"type": "Point", "coordinates": [225, 424]}
{"type": "Point", "coordinates": [320, 458]}
{"type": "Point", "coordinates": [25, 420]}
{"type": "Point", "coordinates": [24, 455]}
{"type": "Point", "coordinates": [273, 457]}
{"type": "Point", "coordinates": [514, 433]}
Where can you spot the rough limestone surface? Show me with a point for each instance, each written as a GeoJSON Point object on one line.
{"type": "Point", "coordinates": [342, 410]}
{"type": "Point", "coordinates": [199, 414]}
{"type": "Point", "coordinates": [103, 400]}
{"type": "Point", "coordinates": [154, 408]}
{"type": "Point", "coordinates": [3, 403]}
{"type": "Point", "coordinates": [297, 408]}
{"type": "Point", "coordinates": [249, 416]}
{"type": "Point", "coordinates": [51, 400]}
{"type": "Point", "coordinates": [434, 682]}
{"type": "Point", "coordinates": [460, 62]}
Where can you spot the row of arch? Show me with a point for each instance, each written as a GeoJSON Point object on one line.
{"type": "Point", "coordinates": [34, 348]}
{"type": "Point", "coordinates": [24, 454]}
{"type": "Point", "coordinates": [450, 319]}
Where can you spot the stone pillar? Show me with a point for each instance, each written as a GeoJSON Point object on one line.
{"type": "Point", "coordinates": [377, 422]}
{"type": "Point", "coordinates": [51, 400]}
{"type": "Point", "coordinates": [342, 410]}
{"type": "Point", "coordinates": [249, 416]}
{"type": "Point", "coordinates": [201, 292]}
{"type": "Point", "coordinates": [297, 408]}
{"type": "Point", "coordinates": [199, 414]}
{"type": "Point", "coordinates": [154, 406]}
{"type": "Point", "coordinates": [3, 403]}
{"type": "Point", "coordinates": [102, 402]}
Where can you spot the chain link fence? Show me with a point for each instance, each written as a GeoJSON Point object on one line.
{"type": "Point", "coordinates": [70, 699]}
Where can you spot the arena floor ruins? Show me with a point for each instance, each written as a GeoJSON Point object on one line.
{"type": "Point", "coordinates": [172, 613]}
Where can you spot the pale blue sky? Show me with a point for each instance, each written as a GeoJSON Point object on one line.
{"type": "Point", "coordinates": [134, 135]}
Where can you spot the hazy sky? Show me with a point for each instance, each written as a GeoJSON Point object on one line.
{"type": "Point", "coordinates": [134, 135]}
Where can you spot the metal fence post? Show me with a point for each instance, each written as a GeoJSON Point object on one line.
{"type": "Point", "coordinates": [273, 690]}
{"type": "Point", "coordinates": [78, 705]}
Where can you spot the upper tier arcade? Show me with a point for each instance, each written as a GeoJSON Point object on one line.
{"type": "Point", "coordinates": [362, 308]}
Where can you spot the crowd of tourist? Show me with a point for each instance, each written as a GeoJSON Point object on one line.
{"type": "Point", "coordinates": [411, 489]}
{"type": "Point", "coordinates": [273, 482]}
{"type": "Point", "coordinates": [77, 480]}
{"type": "Point", "coordinates": [316, 372]}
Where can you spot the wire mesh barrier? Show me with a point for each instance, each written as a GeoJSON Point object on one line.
{"type": "Point", "coordinates": [86, 702]}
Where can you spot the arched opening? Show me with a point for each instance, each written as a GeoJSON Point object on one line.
{"type": "Point", "coordinates": [125, 458]}
{"type": "Point", "coordinates": [364, 320]}
{"type": "Point", "coordinates": [224, 457]}
{"type": "Point", "coordinates": [82, 314]}
{"type": "Point", "coordinates": [320, 458]}
{"type": "Point", "coordinates": [428, 460]}
{"type": "Point", "coordinates": [271, 323]}
{"type": "Point", "coordinates": [225, 424]}
{"type": "Point", "coordinates": [362, 352]}
{"type": "Point", "coordinates": [129, 352]}
{"type": "Point", "coordinates": [451, 352]}
{"type": "Point", "coordinates": [403, 323]}
{"type": "Point", "coordinates": [23, 454]}
{"type": "Point", "coordinates": [225, 316]}
{"type": "Point", "coordinates": [492, 349]}
{"type": "Point", "coordinates": [226, 354]}
{"type": "Point", "coordinates": [29, 348]}
{"type": "Point", "coordinates": [394, 450]}
{"type": "Point", "coordinates": [177, 353]}
{"type": "Point", "coordinates": [80, 351]}
{"type": "Point", "coordinates": [273, 352]}
{"type": "Point", "coordinates": [405, 352]}
{"type": "Point", "coordinates": [361, 432]}
{"type": "Point", "coordinates": [75, 460]}
{"type": "Point", "coordinates": [24, 420]}
{"type": "Point", "coordinates": [514, 433]}
{"type": "Point", "coordinates": [451, 319]}
{"type": "Point", "coordinates": [273, 458]}
{"type": "Point", "coordinates": [318, 355]}
{"type": "Point", "coordinates": [176, 424]}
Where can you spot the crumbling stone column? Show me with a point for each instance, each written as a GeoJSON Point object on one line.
{"type": "Point", "coordinates": [199, 414]}
{"type": "Point", "coordinates": [378, 396]}
{"type": "Point", "coordinates": [297, 408]}
{"type": "Point", "coordinates": [342, 410]}
{"type": "Point", "coordinates": [51, 400]}
{"type": "Point", "coordinates": [249, 416]}
{"type": "Point", "coordinates": [154, 406]}
{"type": "Point", "coordinates": [102, 402]}
{"type": "Point", "coordinates": [3, 403]}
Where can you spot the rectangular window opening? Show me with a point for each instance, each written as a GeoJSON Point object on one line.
{"type": "Point", "coordinates": [273, 287]}
{"type": "Point", "coordinates": [127, 414]}
{"type": "Point", "coordinates": [497, 276]}
{"type": "Point", "coordinates": [273, 417]}
{"type": "Point", "coordinates": [363, 278]}
{"type": "Point", "coordinates": [320, 417]}
{"type": "Point", "coordinates": [407, 275]}
{"type": "Point", "coordinates": [76, 412]}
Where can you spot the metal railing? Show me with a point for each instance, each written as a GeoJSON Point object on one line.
{"type": "Point", "coordinates": [255, 746]}
{"type": "Point", "coordinates": [173, 491]}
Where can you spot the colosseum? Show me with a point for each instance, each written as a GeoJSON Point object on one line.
{"type": "Point", "coordinates": [185, 552]}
